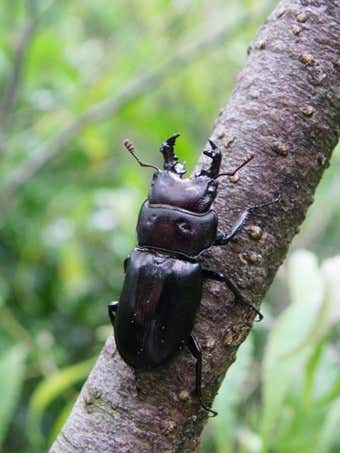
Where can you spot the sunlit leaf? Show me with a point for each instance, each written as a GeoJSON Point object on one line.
{"type": "Point", "coordinates": [54, 386]}
{"type": "Point", "coordinates": [331, 270]}
{"type": "Point", "coordinates": [229, 395]}
{"type": "Point", "coordinates": [72, 268]}
{"type": "Point", "coordinates": [95, 145]}
{"type": "Point", "coordinates": [11, 379]}
{"type": "Point", "coordinates": [61, 419]}
{"type": "Point", "coordinates": [323, 375]}
{"type": "Point", "coordinates": [287, 348]}
{"type": "Point", "coordinates": [329, 433]}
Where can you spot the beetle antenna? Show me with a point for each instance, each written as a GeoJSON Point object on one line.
{"type": "Point", "coordinates": [129, 146]}
{"type": "Point", "coordinates": [232, 173]}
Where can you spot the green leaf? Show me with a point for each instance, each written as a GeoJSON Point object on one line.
{"type": "Point", "coordinates": [325, 376]}
{"type": "Point", "coordinates": [3, 291]}
{"type": "Point", "coordinates": [61, 419]}
{"type": "Point", "coordinates": [229, 396]}
{"type": "Point", "coordinates": [330, 271]}
{"type": "Point", "coordinates": [329, 435]}
{"type": "Point", "coordinates": [310, 370]}
{"type": "Point", "coordinates": [52, 387]}
{"type": "Point", "coordinates": [11, 379]}
{"type": "Point", "coordinates": [296, 331]}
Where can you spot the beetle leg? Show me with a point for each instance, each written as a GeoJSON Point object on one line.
{"type": "Point", "coordinates": [112, 308]}
{"type": "Point", "coordinates": [238, 296]}
{"type": "Point", "coordinates": [224, 238]}
{"type": "Point", "coordinates": [195, 350]}
{"type": "Point", "coordinates": [126, 262]}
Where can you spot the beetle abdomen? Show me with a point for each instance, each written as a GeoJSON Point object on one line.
{"type": "Point", "coordinates": [175, 229]}
{"type": "Point", "coordinates": [157, 308]}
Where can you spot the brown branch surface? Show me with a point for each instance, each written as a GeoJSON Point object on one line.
{"type": "Point", "coordinates": [285, 109]}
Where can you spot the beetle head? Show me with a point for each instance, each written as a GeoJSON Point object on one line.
{"type": "Point", "coordinates": [194, 194]}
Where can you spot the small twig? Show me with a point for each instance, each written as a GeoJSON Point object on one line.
{"type": "Point", "coordinates": [19, 57]}
{"type": "Point", "coordinates": [14, 78]}
{"type": "Point", "coordinates": [13, 327]}
{"type": "Point", "coordinates": [11, 89]}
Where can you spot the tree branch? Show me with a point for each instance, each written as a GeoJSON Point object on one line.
{"type": "Point", "coordinates": [102, 110]}
{"type": "Point", "coordinates": [20, 52]}
{"type": "Point", "coordinates": [11, 88]}
{"type": "Point", "coordinates": [285, 109]}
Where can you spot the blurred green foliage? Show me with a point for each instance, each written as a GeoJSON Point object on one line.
{"type": "Point", "coordinates": [75, 79]}
{"type": "Point", "coordinates": [290, 400]}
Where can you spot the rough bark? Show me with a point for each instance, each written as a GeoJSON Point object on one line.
{"type": "Point", "coordinates": [285, 109]}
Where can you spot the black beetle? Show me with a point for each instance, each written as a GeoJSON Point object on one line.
{"type": "Point", "coordinates": [162, 290]}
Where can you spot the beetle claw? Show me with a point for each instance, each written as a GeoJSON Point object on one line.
{"type": "Point", "coordinates": [212, 144]}
{"type": "Point", "coordinates": [239, 299]}
{"type": "Point", "coordinates": [211, 412]}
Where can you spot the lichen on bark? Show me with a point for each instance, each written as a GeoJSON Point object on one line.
{"type": "Point", "coordinates": [285, 109]}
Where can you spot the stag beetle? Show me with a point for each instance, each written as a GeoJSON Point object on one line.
{"type": "Point", "coordinates": [162, 290]}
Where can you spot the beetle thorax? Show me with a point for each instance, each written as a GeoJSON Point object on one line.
{"type": "Point", "coordinates": [177, 216]}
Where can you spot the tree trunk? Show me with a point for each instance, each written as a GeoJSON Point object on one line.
{"type": "Point", "coordinates": [285, 109]}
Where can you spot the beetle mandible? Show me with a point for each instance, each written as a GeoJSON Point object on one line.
{"type": "Point", "coordinates": [162, 290]}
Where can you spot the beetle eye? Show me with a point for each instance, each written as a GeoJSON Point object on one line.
{"type": "Point", "coordinates": [151, 219]}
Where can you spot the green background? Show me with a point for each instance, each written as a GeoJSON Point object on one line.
{"type": "Point", "coordinates": [76, 78]}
